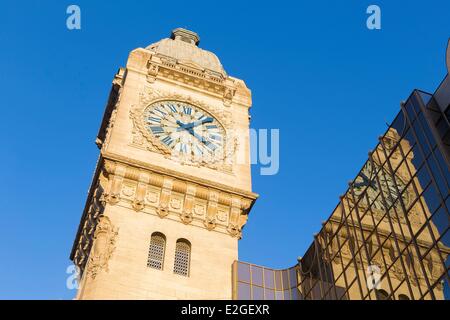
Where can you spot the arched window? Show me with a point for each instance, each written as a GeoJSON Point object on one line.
{"type": "Point", "coordinates": [382, 295]}
{"type": "Point", "coordinates": [403, 297]}
{"type": "Point", "coordinates": [156, 251]}
{"type": "Point", "coordinates": [182, 257]}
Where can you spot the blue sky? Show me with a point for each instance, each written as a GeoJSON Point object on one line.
{"type": "Point", "coordinates": [316, 73]}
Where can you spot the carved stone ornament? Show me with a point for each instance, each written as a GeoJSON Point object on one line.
{"type": "Point", "coordinates": [111, 198]}
{"type": "Point", "coordinates": [234, 230]}
{"type": "Point", "coordinates": [186, 217]}
{"type": "Point", "coordinates": [103, 247]}
{"type": "Point", "coordinates": [210, 223]}
{"type": "Point", "coordinates": [228, 96]}
{"type": "Point", "coordinates": [144, 139]}
{"type": "Point", "coordinates": [175, 203]}
{"type": "Point", "coordinates": [152, 72]}
{"type": "Point", "coordinates": [222, 216]}
{"type": "Point", "coordinates": [163, 209]}
{"type": "Point", "coordinates": [138, 205]}
{"type": "Point", "coordinates": [128, 191]}
{"type": "Point", "coordinates": [397, 271]}
{"type": "Point", "coordinates": [152, 197]}
{"type": "Point", "coordinates": [199, 210]}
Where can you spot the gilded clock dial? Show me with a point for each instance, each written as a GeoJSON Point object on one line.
{"type": "Point", "coordinates": [186, 130]}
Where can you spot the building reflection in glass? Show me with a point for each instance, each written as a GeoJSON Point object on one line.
{"type": "Point", "coordinates": [388, 236]}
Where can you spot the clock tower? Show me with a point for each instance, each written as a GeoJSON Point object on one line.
{"type": "Point", "coordinates": [172, 190]}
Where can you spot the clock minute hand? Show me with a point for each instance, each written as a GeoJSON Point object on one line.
{"type": "Point", "coordinates": [199, 137]}
{"type": "Point", "coordinates": [199, 122]}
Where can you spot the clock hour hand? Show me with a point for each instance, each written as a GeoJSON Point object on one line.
{"type": "Point", "coordinates": [371, 184]}
{"type": "Point", "coordinates": [368, 182]}
{"type": "Point", "coordinates": [183, 126]}
{"type": "Point", "coordinates": [365, 178]}
{"type": "Point", "coordinates": [365, 181]}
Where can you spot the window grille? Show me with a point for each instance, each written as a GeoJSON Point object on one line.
{"type": "Point", "coordinates": [156, 251]}
{"type": "Point", "coordinates": [182, 258]}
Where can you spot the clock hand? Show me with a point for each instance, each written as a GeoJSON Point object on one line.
{"type": "Point", "coordinates": [199, 137]}
{"type": "Point", "coordinates": [193, 124]}
{"type": "Point", "coordinates": [373, 185]}
{"type": "Point", "coordinates": [365, 178]}
{"type": "Point", "coordinates": [199, 122]}
{"type": "Point", "coordinates": [369, 182]}
{"type": "Point", "coordinates": [210, 146]}
{"type": "Point", "coordinates": [183, 126]}
{"type": "Point", "coordinates": [359, 184]}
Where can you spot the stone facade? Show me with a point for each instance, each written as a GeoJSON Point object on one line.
{"type": "Point", "coordinates": [140, 188]}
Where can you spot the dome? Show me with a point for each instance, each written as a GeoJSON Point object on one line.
{"type": "Point", "coordinates": [183, 46]}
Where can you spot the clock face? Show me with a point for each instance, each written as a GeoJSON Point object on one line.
{"type": "Point", "coordinates": [367, 181]}
{"type": "Point", "coordinates": [187, 131]}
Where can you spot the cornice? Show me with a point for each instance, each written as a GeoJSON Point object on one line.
{"type": "Point", "coordinates": [113, 100]}
{"type": "Point", "coordinates": [155, 66]}
{"type": "Point", "coordinates": [159, 193]}
{"type": "Point", "coordinates": [178, 175]}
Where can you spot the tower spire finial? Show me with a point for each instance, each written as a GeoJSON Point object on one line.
{"type": "Point", "coordinates": [185, 35]}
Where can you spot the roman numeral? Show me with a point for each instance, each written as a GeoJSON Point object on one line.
{"type": "Point", "coordinates": [183, 148]}
{"type": "Point", "coordinates": [161, 112]}
{"type": "Point", "coordinates": [187, 110]}
{"type": "Point", "coordinates": [156, 130]}
{"type": "Point", "coordinates": [172, 107]}
{"type": "Point", "coordinates": [155, 119]}
{"type": "Point", "coordinates": [215, 137]}
{"type": "Point", "coordinates": [211, 146]}
{"type": "Point", "coordinates": [167, 140]}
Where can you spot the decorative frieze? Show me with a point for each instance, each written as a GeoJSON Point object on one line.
{"type": "Point", "coordinates": [229, 89]}
{"type": "Point", "coordinates": [146, 191]}
{"type": "Point", "coordinates": [170, 69]}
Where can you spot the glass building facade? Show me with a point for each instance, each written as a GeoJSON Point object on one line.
{"type": "Point", "coordinates": [252, 282]}
{"type": "Point", "coordinates": [388, 238]}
